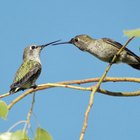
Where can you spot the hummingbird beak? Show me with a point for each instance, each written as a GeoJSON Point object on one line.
{"type": "Point", "coordinates": [68, 42]}
{"type": "Point", "coordinates": [51, 43]}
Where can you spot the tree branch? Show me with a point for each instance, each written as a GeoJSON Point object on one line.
{"type": "Point", "coordinates": [45, 86]}
{"type": "Point", "coordinates": [65, 85]}
{"type": "Point", "coordinates": [84, 81]}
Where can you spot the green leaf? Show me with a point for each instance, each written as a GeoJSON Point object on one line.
{"type": "Point", "coordinates": [5, 136]}
{"type": "Point", "coordinates": [19, 135]}
{"type": "Point", "coordinates": [130, 33]}
{"type": "Point", "coordinates": [42, 134]}
{"type": "Point", "coordinates": [3, 109]}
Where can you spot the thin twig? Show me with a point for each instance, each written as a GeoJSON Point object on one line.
{"type": "Point", "coordinates": [68, 86]}
{"type": "Point", "coordinates": [95, 88]}
{"type": "Point", "coordinates": [27, 124]}
{"type": "Point", "coordinates": [4, 95]}
{"type": "Point", "coordinates": [120, 94]}
{"type": "Point", "coordinates": [13, 126]}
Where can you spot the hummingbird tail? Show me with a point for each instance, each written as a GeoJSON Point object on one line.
{"type": "Point", "coordinates": [136, 66]}
{"type": "Point", "coordinates": [14, 90]}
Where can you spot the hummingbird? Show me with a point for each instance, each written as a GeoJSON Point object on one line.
{"type": "Point", "coordinates": [104, 49]}
{"type": "Point", "coordinates": [29, 70]}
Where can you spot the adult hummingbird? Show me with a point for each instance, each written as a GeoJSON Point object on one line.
{"type": "Point", "coordinates": [29, 70]}
{"type": "Point", "coordinates": [104, 49]}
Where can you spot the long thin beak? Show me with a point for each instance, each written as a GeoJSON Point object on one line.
{"type": "Point", "coordinates": [51, 43]}
{"type": "Point", "coordinates": [68, 42]}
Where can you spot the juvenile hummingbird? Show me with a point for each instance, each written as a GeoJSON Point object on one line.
{"type": "Point", "coordinates": [104, 49]}
{"type": "Point", "coordinates": [29, 70]}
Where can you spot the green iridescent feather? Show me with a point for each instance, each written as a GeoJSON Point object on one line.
{"type": "Point", "coordinates": [26, 75]}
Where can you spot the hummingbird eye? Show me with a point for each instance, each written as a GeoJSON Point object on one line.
{"type": "Point", "coordinates": [33, 47]}
{"type": "Point", "coordinates": [76, 40]}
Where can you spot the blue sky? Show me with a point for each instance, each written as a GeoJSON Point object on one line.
{"type": "Point", "coordinates": [61, 111]}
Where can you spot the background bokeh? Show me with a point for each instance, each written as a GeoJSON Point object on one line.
{"type": "Point", "coordinates": [58, 110]}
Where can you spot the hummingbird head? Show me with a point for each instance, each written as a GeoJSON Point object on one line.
{"type": "Point", "coordinates": [80, 41]}
{"type": "Point", "coordinates": [33, 52]}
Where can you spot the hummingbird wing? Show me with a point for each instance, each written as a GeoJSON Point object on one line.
{"type": "Point", "coordinates": [119, 45]}
{"type": "Point", "coordinates": [27, 73]}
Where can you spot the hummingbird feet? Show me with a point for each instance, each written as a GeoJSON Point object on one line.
{"type": "Point", "coordinates": [34, 86]}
